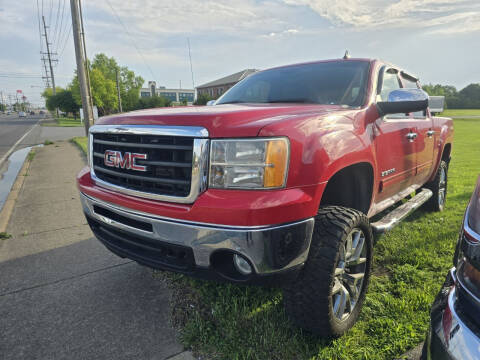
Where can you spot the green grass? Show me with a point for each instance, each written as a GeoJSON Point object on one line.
{"type": "Point", "coordinates": [31, 155]}
{"type": "Point", "coordinates": [225, 321]}
{"type": "Point", "coordinates": [461, 112]}
{"type": "Point", "coordinates": [5, 236]}
{"type": "Point", "coordinates": [81, 142]}
{"type": "Point", "coordinates": [65, 122]}
{"type": "Point", "coordinates": [48, 142]}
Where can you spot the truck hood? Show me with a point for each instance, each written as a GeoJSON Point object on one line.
{"type": "Point", "coordinates": [239, 120]}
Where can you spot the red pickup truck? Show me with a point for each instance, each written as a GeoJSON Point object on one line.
{"type": "Point", "coordinates": [283, 181]}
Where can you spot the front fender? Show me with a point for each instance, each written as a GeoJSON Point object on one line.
{"type": "Point", "coordinates": [321, 146]}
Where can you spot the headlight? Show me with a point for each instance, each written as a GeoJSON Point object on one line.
{"type": "Point", "coordinates": [249, 164]}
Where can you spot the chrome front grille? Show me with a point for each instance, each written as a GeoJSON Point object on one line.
{"type": "Point", "coordinates": [169, 164]}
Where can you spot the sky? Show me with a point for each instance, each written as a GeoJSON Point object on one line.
{"type": "Point", "coordinates": [438, 40]}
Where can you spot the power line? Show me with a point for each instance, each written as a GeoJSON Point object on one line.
{"type": "Point", "coordinates": [50, 13]}
{"type": "Point", "coordinates": [21, 77]}
{"type": "Point", "coordinates": [191, 67]}
{"type": "Point", "coordinates": [131, 39]}
{"type": "Point", "coordinates": [61, 31]}
{"type": "Point", "coordinates": [39, 31]}
{"type": "Point", "coordinates": [55, 31]}
{"type": "Point", "coordinates": [66, 41]}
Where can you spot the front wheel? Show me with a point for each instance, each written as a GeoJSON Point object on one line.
{"type": "Point", "coordinates": [439, 188]}
{"type": "Point", "coordinates": [327, 297]}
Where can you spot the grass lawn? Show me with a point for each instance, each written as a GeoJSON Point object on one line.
{"type": "Point", "coordinates": [81, 142]}
{"type": "Point", "coordinates": [65, 122]}
{"type": "Point", "coordinates": [461, 112]}
{"type": "Point", "coordinates": [228, 321]}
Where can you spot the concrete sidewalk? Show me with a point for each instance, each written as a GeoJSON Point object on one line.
{"type": "Point", "coordinates": [62, 294]}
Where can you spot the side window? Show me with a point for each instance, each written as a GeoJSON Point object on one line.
{"type": "Point", "coordinates": [412, 84]}
{"type": "Point", "coordinates": [390, 82]}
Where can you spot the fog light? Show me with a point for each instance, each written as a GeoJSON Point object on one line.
{"type": "Point", "coordinates": [242, 265]}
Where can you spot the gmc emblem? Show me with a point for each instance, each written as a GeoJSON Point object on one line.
{"type": "Point", "coordinates": [113, 158]}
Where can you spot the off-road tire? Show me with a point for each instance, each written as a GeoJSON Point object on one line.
{"type": "Point", "coordinates": [433, 204]}
{"type": "Point", "coordinates": [308, 300]}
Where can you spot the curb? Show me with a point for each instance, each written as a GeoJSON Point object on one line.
{"type": "Point", "coordinates": [186, 355]}
{"type": "Point", "coordinates": [9, 204]}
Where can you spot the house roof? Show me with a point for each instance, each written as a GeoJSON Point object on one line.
{"type": "Point", "coordinates": [229, 79]}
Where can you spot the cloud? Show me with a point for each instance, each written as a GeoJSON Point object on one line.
{"type": "Point", "coordinates": [183, 16]}
{"type": "Point", "coordinates": [441, 16]}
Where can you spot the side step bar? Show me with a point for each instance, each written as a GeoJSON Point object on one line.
{"type": "Point", "coordinates": [401, 212]}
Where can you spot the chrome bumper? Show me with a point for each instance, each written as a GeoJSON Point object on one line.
{"type": "Point", "coordinates": [451, 337]}
{"type": "Point", "coordinates": [260, 245]}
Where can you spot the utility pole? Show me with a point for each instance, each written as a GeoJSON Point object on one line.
{"type": "Point", "coordinates": [46, 77]}
{"type": "Point", "coordinates": [49, 56]}
{"type": "Point", "coordinates": [54, 89]}
{"type": "Point", "coordinates": [4, 107]}
{"type": "Point", "coordinates": [81, 64]}
{"type": "Point", "coordinates": [118, 93]}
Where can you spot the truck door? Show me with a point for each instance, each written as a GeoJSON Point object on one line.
{"type": "Point", "coordinates": [395, 148]}
{"type": "Point", "coordinates": [425, 139]}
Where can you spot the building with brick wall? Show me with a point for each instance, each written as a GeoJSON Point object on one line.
{"type": "Point", "coordinates": [216, 88]}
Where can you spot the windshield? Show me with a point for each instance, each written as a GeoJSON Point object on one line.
{"type": "Point", "coordinates": [329, 83]}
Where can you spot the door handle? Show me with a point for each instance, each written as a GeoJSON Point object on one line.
{"type": "Point", "coordinates": [411, 136]}
{"type": "Point", "coordinates": [430, 133]}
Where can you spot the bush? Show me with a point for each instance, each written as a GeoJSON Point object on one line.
{"type": "Point", "coordinates": [152, 102]}
{"type": "Point", "coordinates": [202, 99]}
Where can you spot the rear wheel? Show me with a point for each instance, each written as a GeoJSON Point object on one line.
{"type": "Point", "coordinates": [327, 297]}
{"type": "Point", "coordinates": [439, 188]}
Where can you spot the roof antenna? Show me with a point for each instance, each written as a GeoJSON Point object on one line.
{"type": "Point", "coordinates": [347, 55]}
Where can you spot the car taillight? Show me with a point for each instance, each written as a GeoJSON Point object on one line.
{"type": "Point", "coordinates": [470, 237]}
{"type": "Point", "coordinates": [473, 218]}
{"type": "Point", "coordinates": [471, 276]}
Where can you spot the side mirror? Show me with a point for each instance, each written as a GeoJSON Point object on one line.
{"type": "Point", "coordinates": [210, 102]}
{"type": "Point", "coordinates": [403, 101]}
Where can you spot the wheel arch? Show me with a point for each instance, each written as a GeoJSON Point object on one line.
{"type": "Point", "coordinates": [447, 152]}
{"type": "Point", "coordinates": [351, 186]}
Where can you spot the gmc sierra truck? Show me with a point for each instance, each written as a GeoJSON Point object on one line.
{"type": "Point", "coordinates": [283, 181]}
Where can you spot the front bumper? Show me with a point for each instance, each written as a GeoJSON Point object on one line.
{"type": "Point", "coordinates": [274, 252]}
{"type": "Point", "coordinates": [450, 336]}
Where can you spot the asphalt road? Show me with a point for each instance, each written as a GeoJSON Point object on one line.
{"type": "Point", "coordinates": [12, 128]}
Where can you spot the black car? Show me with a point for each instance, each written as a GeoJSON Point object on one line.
{"type": "Point", "coordinates": [455, 317]}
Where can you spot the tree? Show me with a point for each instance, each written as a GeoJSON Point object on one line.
{"type": "Point", "coordinates": [47, 94]}
{"type": "Point", "coordinates": [63, 100]}
{"type": "Point", "coordinates": [202, 99]}
{"type": "Point", "coordinates": [103, 73]}
{"type": "Point", "coordinates": [468, 97]}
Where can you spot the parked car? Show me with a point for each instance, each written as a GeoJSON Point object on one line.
{"type": "Point", "coordinates": [32, 112]}
{"type": "Point", "coordinates": [22, 114]}
{"type": "Point", "coordinates": [273, 184]}
{"type": "Point", "coordinates": [455, 317]}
